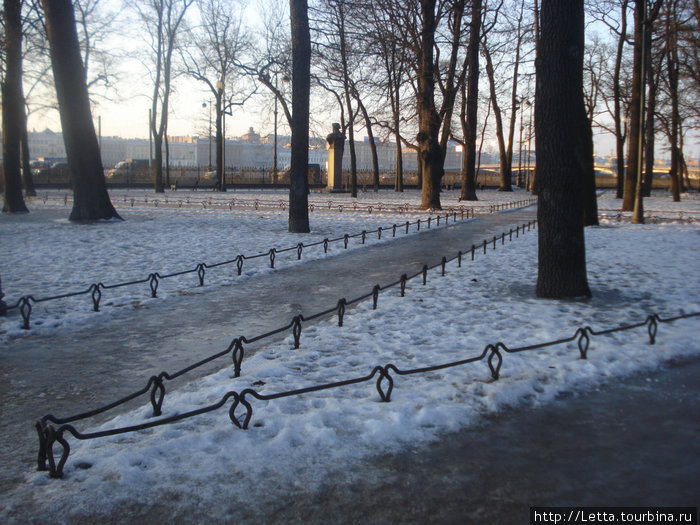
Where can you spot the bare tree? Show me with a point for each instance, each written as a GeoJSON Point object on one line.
{"type": "Point", "coordinates": [558, 122]}
{"type": "Point", "coordinates": [301, 85]}
{"type": "Point", "coordinates": [12, 104]}
{"type": "Point", "coordinates": [162, 21]}
{"type": "Point", "coordinates": [90, 198]}
{"type": "Point", "coordinates": [470, 105]}
{"type": "Point", "coordinates": [643, 18]}
{"type": "Point", "coordinates": [217, 48]}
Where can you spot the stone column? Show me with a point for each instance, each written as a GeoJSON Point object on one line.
{"type": "Point", "coordinates": [335, 145]}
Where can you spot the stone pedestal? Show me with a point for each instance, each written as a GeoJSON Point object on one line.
{"type": "Point", "coordinates": [335, 145]}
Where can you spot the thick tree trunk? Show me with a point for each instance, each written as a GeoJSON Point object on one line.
{"type": "Point", "coordinates": [559, 102]}
{"type": "Point", "coordinates": [90, 197]}
{"type": "Point", "coordinates": [430, 155]}
{"type": "Point", "coordinates": [12, 110]}
{"type": "Point", "coordinates": [301, 67]}
{"type": "Point", "coordinates": [470, 106]}
{"type": "Point", "coordinates": [635, 119]}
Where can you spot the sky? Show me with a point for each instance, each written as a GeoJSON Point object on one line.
{"type": "Point", "coordinates": [304, 444]}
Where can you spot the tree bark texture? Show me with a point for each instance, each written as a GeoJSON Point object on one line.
{"type": "Point", "coordinates": [90, 198]}
{"type": "Point", "coordinates": [559, 103]}
{"type": "Point", "coordinates": [301, 80]}
{"type": "Point", "coordinates": [12, 110]}
{"type": "Point", "coordinates": [635, 120]}
{"type": "Point", "coordinates": [430, 156]}
{"type": "Point", "coordinates": [471, 106]}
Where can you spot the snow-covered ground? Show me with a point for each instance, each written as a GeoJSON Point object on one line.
{"type": "Point", "coordinates": [293, 444]}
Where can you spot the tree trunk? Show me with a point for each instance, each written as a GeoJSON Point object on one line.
{"type": "Point", "coordinates": [90, 197]}
{"type": "Point", "coordinates": [301, 85]}
{"type": "Point", "coordinates": [470, 106]}
{"type": "Point", "coordinates": [652, 82]}
{"type": "Point", "coordinates": [502, 153]}
{"type": "Point", "coordinates": [398, 179]}
{"type": "Point", "coordinates": [672, 62]}
{"type": "Point", "coordinates": [514, 102]}
{"type": "Point", "coordinates": [559, 103]}
{"type": "Point", "coordinates": [430, 156]}
{"type": "Point", "coordinates": [590, 199]}
{"type": "Point", "coordinates": [27, 177]}
{"type": "Point", "coordinates": [372, 145]}
{"type": "Point", "coordinates": [12, 110]}
{"type": "Point", "coordinates": [219, 141]}
{"type": "Point", "coordinates": [635, 119]}
{"type": "Point", "coordinates": [348, 102]}
{"type": "Point", "coordinates": [619, 133]}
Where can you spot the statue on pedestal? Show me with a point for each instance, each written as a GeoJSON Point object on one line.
{"type": "Point", "coordinates": [335, 145]}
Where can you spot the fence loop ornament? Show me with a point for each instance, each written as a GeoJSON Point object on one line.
{"type": "Point", "coordinates": [346, 239]}
{"type": "Point", "coordinates": [239, 264]}
{"type": "Point", "coordinates": [652, 328]}
{"type": "Point", "coordinates": [375, 296]}
{"type": "Point", "coordinates": [341, 310]}
{"type": "Point", "coordinates": [583, 341]}
{"type": "Point", "coordinates": [25, 309]}
{"type": "Point", "coordinates": [157, 395]}
{"type": "Point", "coordinates": [300, 248]}
{"type": "Point", "coordinates": [96, 296]}
{"type": "Point", "coordinates": [425, 274]}
{"type": "Point", "coordinates": [403, 280]}
{"type": "Point", "coordinates": [200, 273]}
{"type": "Point", "coordinates": [240, 400]}
{"type": "Point", "coordinates": [384, 374]}
{"type": "Point", "coordinates": [296, 330]}
{"type": "Point", "coordinates": [494, 352]}
{"type": "Point", "coordinates": [237, 357]}
{"type": "Point", "coordinates": [153, 284]}
{"type": "Point", "coordinates": [55, 469]}
{"type": "Point", "coordinates": [271, 255]}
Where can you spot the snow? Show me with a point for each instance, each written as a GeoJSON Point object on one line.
{"type": "Point", "coordinates": [294, 443]}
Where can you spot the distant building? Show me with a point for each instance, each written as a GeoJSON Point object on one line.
{"type": "Point", "coordinates": [247, 151]}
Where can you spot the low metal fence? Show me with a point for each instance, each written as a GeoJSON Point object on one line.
{"type": "Point", "coordinates": [155, 389]}
{"type": "Point", "coordinates": [94, 290]}
{"type": "Point", "coordinates": [231, 203]}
